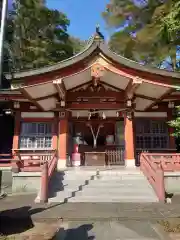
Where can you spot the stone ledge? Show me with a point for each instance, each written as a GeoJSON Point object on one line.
{"type": "Point", "coordinates": [27, 174]}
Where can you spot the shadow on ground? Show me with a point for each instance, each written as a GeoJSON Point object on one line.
{"type": "Point", "coordinates": [10, 224]}
{"type": "Point", "coordinates": [80, 233]}
{"type": "Point", "coordinates": [18, 220]}
{"type": "Point", "coordinates": [56, 184]}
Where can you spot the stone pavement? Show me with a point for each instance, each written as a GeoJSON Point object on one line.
{"type": "Point", "coordinates": [24, 206]}
{"type": "Point", "coordinates": [114, 230]}
{"type": "Point", "coordinates": [99, 221]}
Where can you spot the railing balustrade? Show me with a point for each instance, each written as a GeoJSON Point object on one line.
{"type": "Point", "coordinates": [154, 173]}
{"type": "Point", "coordinates": [151, 151]}
{"type": "Point", "coordinates": [48, 168]}
{"type": "Point", "coordinates": [154, 165]}
{"type": "Point", "coordinates": [28, 160]}
{"type": "Point", "coordinates": [167, 161]}
{"type": "Point", "coordinates": [115, 157]}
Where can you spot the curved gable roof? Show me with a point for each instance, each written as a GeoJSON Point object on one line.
{"type": "Point", "coordinates": [96, 44]}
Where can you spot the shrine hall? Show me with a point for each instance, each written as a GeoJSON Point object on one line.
{"type": "Point", "coordinates": [94, 109]}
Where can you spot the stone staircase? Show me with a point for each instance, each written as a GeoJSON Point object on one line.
{"type": "Point", "coordinates": [105, 185]}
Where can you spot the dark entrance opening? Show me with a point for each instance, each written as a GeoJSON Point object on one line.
{"type": "Point", "coordinates": [7, 132]}
{"type": "Point", "coordinates": [83, 129]}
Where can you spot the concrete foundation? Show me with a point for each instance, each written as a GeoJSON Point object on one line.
{"type": "Point", "coordinates": [130, 163]}
{"type": "Point", "coordinates": [61, 164]}
{"type": "Point", "coordinates": [26, 182]}
{"type": "Point", "coordinates": [172, 182]}
{"type": "Point", "coordinates": [5, 180]}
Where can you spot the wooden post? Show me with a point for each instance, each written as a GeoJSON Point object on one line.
{"type": "Point", "coordinates": [44, 184]}
{"type": "Point", "coordinates": [62, 143]}
{"type": "Point", "coordinates": [160, 185]}
{"type": "Point", "coordinates": [129, 141]}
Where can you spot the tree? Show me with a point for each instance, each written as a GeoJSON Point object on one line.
{"type": "Point", "coordinates": [37, 35]}
{"type": "Point", "coordinates": [77, 44]}
{"type": "Point", "coordinates": [146, 31]}
{"type": "Point", "coordinates": [176, 123]}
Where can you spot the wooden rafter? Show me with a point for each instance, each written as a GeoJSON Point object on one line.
{"type": "Point", "coordinates": [59, 85]}
{"type": "Point", "coordinates": [132, 87]}
{"type": "Point", "coordinates": [145, 97]}
{"type": "Point", "coordinates": [168, 92]}
{"type": "Point", "coordinates": [26, 95]}
{"type": "Point", "coordinates": [46, 97]}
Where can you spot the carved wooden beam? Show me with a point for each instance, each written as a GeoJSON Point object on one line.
{"type": "Point", "coordinates": [58, 83]}
{"type": "Point", "coordinates": [73, 96]}
{"type": "Point", "coordinates": [97, 71]}
{"type": "Point", "coordinates": [132, 87]}
{"type": "Point", "coordinates": [114, 106]}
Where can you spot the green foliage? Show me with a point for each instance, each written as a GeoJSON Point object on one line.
{"type": "Point", "coordinates": [146, 31]}
{"type": "Point", "coordinates": [170, 26]}
{"type": "Point", "coordinates": [77, 44]}
{"type": "Point", "coordinates": [37, 35]}
{"type": "Point", "coordinates": [176, 123]}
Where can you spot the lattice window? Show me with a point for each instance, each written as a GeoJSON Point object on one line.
{"type": "Point", "coordinates": [36, 136]}
{"type": "Point", "coordinates": [151, 134]}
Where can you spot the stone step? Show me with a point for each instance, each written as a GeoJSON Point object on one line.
{"type": "Point", "coordinates": [72, 178]}
{"type": "Point", "coordinates": [124, 189]}
{"type": "Point", "coordinates": [66, 183]}
{"type": "Point", "coordinates": [76, 173]}
{"type": "Point", "coordinates": [69, 197]}
{"type": "Point", "coordinates": [70, 187]}
{"type": "Point", "coordinates": [124, 192]}
{"type": "Point", "coordinates": [120, 173]}
{"type": "Point", "coordinates": [59, 198]}
{"type": "Point", "coordinates": [102, 176]}
{"type": "Point", "coordinates": [101, 186]}
{"type": "Point", "coordinates": [137, 182]}
{"type": "Point", "coordinates": [136, 198]}
{"type": "Point", "coordinates": [117, 188]}
{"type": "Point", "coordinates": [101, 172]}
{"type": "Point", "coordinates": [96, 184]}
{"type": "Point", "coordinates": [123, 177]}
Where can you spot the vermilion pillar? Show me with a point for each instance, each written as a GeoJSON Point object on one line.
{"type": "Point", "coordinates": [55, 133]}
{"type": "Point", "coordinates": [129, 141]}
{"type": "Point", "coordinates": [62, 143]}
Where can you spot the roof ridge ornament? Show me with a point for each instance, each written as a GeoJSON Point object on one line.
{"type": "Point", "coordinates": [97, 28]}
{"type": "Point", "coordinates": [98, 35]}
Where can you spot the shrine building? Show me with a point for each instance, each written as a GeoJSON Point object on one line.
{"type": "Point", "coordinates": [95, 108]}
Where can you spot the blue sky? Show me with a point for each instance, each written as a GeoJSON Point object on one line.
{"type": "Point", "coordinates": [83, 14]}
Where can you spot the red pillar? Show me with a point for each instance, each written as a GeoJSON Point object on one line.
{"type": "Point", "coordinates": [17, 129]}
{"type": "Point", "coordinates": [44, 183]}
{"type": "Point", "coordinates": [55, 133]}
{"type": "Point", "coordinates": [62, 143]}
{"type": "Point", "coordinates": [129, 141]}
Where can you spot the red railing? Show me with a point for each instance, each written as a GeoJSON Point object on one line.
{"type": "Point", "coordinates": [30, 160]}
{"type": "Point", "coordinates": [167, 161]}
{"type": "Point", "coordinates": [44, 161]}
{"type": "Point", "coordinates": [154, 173]}
{"type": "Point", "coordinates": [48, 168]}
